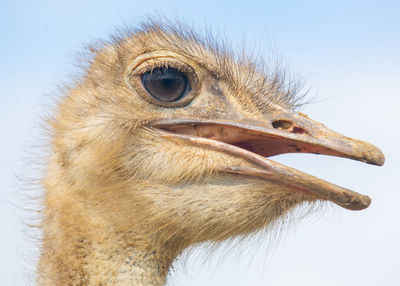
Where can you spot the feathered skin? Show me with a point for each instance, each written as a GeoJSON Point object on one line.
{"type": "Point", "coordinates": [127, 191]}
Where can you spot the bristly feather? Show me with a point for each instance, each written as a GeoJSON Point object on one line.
{"type": "Point", "coordinates": [266, 82]}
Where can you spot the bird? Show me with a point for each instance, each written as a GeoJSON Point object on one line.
{"type": "Point", "coordinates": [164, 142]}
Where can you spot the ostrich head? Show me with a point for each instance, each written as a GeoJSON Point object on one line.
{"type": "Point", "coordinates": [165, 143]}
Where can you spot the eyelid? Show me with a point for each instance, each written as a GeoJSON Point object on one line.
{"type": "Point", "coordinates": [158, 58]}
{"type": "Point", "coordinates": [160, 63]}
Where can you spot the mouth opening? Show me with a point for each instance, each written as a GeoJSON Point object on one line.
{"type": "Point", "coordinates": [256, 143]}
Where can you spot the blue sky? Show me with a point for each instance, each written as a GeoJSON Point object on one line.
{"type": "Point", "coordinates": [348, 51]}
{"type": "Point", "coordinates": [35, 33]}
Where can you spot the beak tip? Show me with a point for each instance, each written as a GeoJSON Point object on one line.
{"type": "Point", "coordinates": [365, 202]}
{"type": "Point", "coordinates": [381, 159]}
{"type": "Point", "coordinates": [353, 201]}
{"type": "Point", "coordinates": [361, 203]}
{"type": "Point", "coordinates": [371, 154]}
{"type": "Point", "coordinates": [377, 158]}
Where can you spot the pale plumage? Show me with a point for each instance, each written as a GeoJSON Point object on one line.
{"type": "Point", "coordinates": [146, 166]}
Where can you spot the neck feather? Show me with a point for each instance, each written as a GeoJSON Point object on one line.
{"type": "Point", "coordinates": [81, 250]}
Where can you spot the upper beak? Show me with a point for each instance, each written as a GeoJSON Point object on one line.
{"type": "Point", "coordinates": [290, 132]}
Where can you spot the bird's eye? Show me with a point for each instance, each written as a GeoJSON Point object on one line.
{"type": "Point", "coordinates": [166, 84]}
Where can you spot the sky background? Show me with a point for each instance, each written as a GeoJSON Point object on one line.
{"type": "Point", "coordinates": [347, 51]}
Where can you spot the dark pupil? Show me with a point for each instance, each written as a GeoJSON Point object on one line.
{"type": "Point", "coordinates": [166, 84]}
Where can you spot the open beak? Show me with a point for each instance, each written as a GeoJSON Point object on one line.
{"type": "Point", "coordinates": [291, 132]}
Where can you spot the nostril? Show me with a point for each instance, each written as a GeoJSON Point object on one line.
{"type": "Point", "coordinates": [298, 130]}
{"type": "Point", "coordinates": [287, 125]}
{"type": "Point", "coordinates": [282, 124]}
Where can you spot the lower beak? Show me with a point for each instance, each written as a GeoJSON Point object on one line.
{"type": "Point", "coordinates": [255, 141]}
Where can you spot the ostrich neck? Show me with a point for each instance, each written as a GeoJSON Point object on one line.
{"type": "Point", "coordinates": [80, 249]}
{"type": "Point", "coordinates": [140, 267]}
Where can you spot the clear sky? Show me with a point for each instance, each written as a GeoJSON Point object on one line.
{"type": "Point", "coordinates": [348, 51]}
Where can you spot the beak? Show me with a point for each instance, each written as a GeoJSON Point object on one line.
{"type": "Point", "coordinates": [291, 132]}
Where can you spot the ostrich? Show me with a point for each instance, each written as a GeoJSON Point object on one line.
{"type": "Point", "coordinates": [164, 143]}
